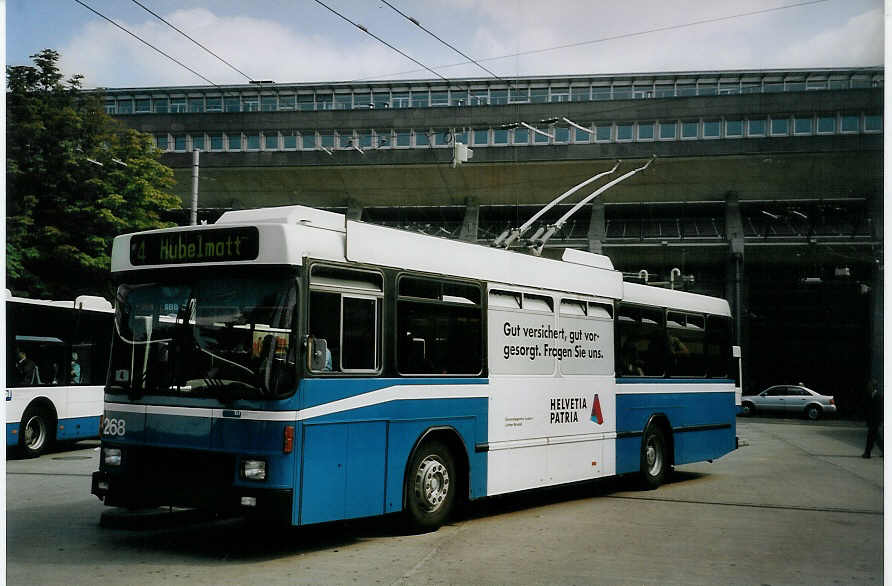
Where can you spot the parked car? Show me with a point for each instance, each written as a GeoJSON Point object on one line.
{"type": "Point", "coordinates": [789, 399]}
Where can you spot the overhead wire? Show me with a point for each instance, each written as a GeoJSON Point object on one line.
{"type": "Point", "coordinates": [227, 63]}
{"type": "Point", "coordinates": [614, 37]}
{"type": "Point", "coordinates": [379, 39]}
{"type": "Point", "coordinates": [428, 31]}
{"type": "Point", "coordinates": [143, 41]}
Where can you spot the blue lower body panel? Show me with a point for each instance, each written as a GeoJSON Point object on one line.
{"type": "Point", "coordinates": [703, 426]}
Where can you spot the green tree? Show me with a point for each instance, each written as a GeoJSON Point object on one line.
{"type": "Point", "coordinates": [75, 179]}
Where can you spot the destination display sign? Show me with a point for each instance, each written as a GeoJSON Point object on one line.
{"type": "Point", "coordinates": [195, 246]}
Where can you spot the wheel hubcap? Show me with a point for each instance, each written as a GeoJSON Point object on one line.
{"type": "Point", "coordinates": [431, 483]}
{"type": "Point", "coordinates": [35, 433]}
{"type": "Point", "coordinates": [654, 456]}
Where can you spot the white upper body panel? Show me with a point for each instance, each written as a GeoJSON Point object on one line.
{"type": "Point", "coordinates": [681, 300]}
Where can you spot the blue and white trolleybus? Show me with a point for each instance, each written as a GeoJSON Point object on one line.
{"type": "Point", "coordinates": [292, 364]}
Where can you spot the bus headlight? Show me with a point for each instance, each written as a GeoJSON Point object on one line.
{"type": "Point", "coordinates": [254, 469]}
{"type": "Point", "coordinates": [111, 456]}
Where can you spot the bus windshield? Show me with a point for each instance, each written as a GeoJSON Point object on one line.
{"type": "Point", "coordinates": [229, 338]}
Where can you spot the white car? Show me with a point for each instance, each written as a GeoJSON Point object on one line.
{"type": "Point", "coordinates": [789, 399]}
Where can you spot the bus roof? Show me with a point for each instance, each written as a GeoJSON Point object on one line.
{"type": "Point", "coordinates": [671, 299]}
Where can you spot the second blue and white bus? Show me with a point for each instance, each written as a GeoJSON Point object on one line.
{"type": "Point", "coordinates": [295, 365]}
{"type": "Point", "coordinates": [57, 363]}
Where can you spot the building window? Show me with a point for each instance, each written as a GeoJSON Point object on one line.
{"type": "Point", "coordinates": [481, 136]}
{"type": "Point", "coordinates": [664, 90]}
{"type": "Point", "coordinates": [689, 129]}
{"type": "Point", "coordinates": [234, 142]}
{"type": "Point", "coordinates": [541, 136]}
{"type": "Point", "coordinates": [385, 140]}
{"type": "Point", "coordinates": [161, 141]}
{"type": "Point", "coordinates": [399, 100]}
{"type": "Point", "coordinates": [143, 105]}
{"type": "Point", "coordinates": [499, 136]}
{"type": "Point", "coordinates": [214, 104]}
{"type": "Point", "coordinates": [750, 87]}
{"type": "Point", "coordinates": [645, 131]}
{"type": "Point", "coordinates": [582, 136]}
{"type": "Point", "coordinates": [849, 123]}
{"type": "Point", "coordinates": [479, 97]}
{"type": "Point", "coordinates": [780, 126]}
{"type": "Point", "coordinates": [795, 86]}
{"type": "Point", "coordinates": [289, 140]}
{"type": "Point", "coordinates": [873, 123]}
{"type": "Point", "coordinates": [125, 106]}
{"type": "Point", "coordinates": [839, 84]}
{"type": "Point", "coordinates": [269, 103]}
{"type": "Point", "coordinates": [521, 136]}
{"type": "Point", "coordinates": [600, 93]}
{"type": "Point", "coordinates": [178, 105]}
{"type": "Point", "coordinates": [308, 140]}
{"type": "Point", "coordinates": [196, 104]}
{"type": "Point", "coordinates": [816, 85]}
{"type": "Point", "coordinates": [561, 134]}
{"type": "Point", "coordinates": [668, 130]}
{"type": "Point", "coordinates": [802, 125]}
{"type": "Point", "coordinates": [422, 138]}
{"type": "Point", "coordinates": [624, 131]}
{"type": "Point", "coordinates": [560, 94]}
{"type": "Point", "coordinates": [733, 128]}
{"type": "Point", "coordinates": [706, 89]}
{"type": "Point", "coordinates": [110, 107]}
{"type": "Point", "coordinates": [640, 91]}
{"type": "Point", "coordinates": [403, 138]}
{"type": "Point", "coordinates": [623, 92]}
{"type": "Point", "coordinates": [286, 102]}
{"type": "Point", "coordinates": [179, 143]}
{"type": "Point", "coordinates": [755, 128]}
{"type": "Point", "coordinates": [251, 104]}
{"type": "Point", "coordinates": [216, 139]}
{"type": "Point", "coordinates": [603, 132]}
{"type": "Point", "coordinates": [233, 104]}
{"type": "Point", "coordinates": [324, 102]}
{"type": "Point", "coordinates": [685, 90]}
{"type": "Point", "coordinates": [365, 139]}
{"type": "Point", "coordinates": [420, 99]}
{"type": "Point", "coordinates": [538, 95]}
{"type": "Point", "coordinates": [458, 98]}
{"type": "Point", "coordinates": [729, 88]}
{"type": "Point", "coordinates": [160, 105]}
{"type": "Point", "coordinates": [712, 128]}
{"type": "Point", "coordinates": [773, 87]}
{"type": "Point", "coordinates": [343, 101]}
{"type": "Point", "coordinates": [519, 95]}
{"type": "Point", "coordinates": [271, 141]}
{"type": "Point", "coordinates": [461, 135]}
{"type": "Point", "coordinates": [326, 139]}
{"type": "Point", "coordinates": [305, 103]}
{"type": "Point", "coordinates": [442, 136]}
{"type": "Point", "coordinates": [498, 97]}
{"type": "Point", "coordinates": [197, 142]}
{"type": "Point", "coordinates": [826, 124]}
{"type": "Point", "coordinates": [252, 141]}
{"type": "Point", "coordinates": [581, 94]}
{"type": "Point", "coordinates": [439, 99]}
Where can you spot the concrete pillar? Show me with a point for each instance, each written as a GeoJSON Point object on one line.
{"type": "Point", "coordinates": [472, 217]}
{"type": "Point", "coordinates": [597, 228]}
{"type": "Point", "coordinates": [354, 210]}
{"type": "Point", "coordinates": [735, 285]}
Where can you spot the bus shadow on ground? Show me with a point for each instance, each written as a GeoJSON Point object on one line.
{"type": "Point", "coordinates": [205, 536]}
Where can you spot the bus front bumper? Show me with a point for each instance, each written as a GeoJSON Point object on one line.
{"type": "Point", "coordinates": [266, 503]}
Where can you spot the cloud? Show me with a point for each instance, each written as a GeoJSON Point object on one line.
{"type": "Point", "coordinates": [260, 48]}
{"type": "Point", "coordinates": [858, 42]}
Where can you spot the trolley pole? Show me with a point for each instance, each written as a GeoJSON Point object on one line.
{"type": "Point", "coordinates": [193, 216]}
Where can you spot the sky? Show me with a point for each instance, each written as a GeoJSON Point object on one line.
{"type": "Point", "coordinates": [290, 41]}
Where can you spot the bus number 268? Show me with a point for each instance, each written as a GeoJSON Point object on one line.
{"type": "Point", "coordinates": [113, 426]}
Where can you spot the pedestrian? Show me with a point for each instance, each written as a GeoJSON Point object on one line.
{"type": "Point", "coordinates": [874, 418]}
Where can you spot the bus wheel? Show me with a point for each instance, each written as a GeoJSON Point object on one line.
{"type": "Point", "coordinates": [430, 486]}
{"type": "Point", "coordinates": [654, 461]}
{"type": "Point", "coordinates": [35, 432]}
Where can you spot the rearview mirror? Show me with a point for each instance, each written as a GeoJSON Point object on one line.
{"type": "Point", "coordinates": [317, 353]}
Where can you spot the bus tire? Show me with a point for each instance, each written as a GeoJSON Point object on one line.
{"type": "Point", "coordinates": [36, 431]}
{"type": "Point", "coordinates": [430, 486]}
{"type": "Point", "coordinates": [654, 457]}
